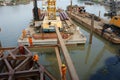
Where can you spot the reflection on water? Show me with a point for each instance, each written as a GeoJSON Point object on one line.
{"type": "Point", "coordinates": [88, 59]}
{"type": "Point", "coordinates": [88, 53]}
{"type": "Point", "coordinates": [95, 62]}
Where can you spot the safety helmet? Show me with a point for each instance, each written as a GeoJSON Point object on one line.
{"type": "Point", "coordinates": [63, 65]}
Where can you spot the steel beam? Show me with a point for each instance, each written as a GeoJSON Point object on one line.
{"type": "Point", "coordinates": [4, 75]}
{"type": "Point", "coordinates": [71, 69]}
{"type": "Point", "coordinates": [21, 65]}
{"type": "Point", "coordinates": [27, 50]}
{"type": "Point", "coordinates": [10, 77]}
{"type": "Point", "coordinates": [39, 46]}
{"type": "Point", "coordinates": [27, 73]}
{"type": "Point", "coordinates": [18, 57]}
{"type": "Point", "coordinates": [59, 60]}
{"type": "Point", "coordinates": [12, 55]}
{"type": "Point", "coordinates": [46, 72]}
{"type": "Point", "coordinates": [8, 65]}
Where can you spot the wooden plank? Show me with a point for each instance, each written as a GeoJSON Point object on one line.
{"type": "Point", "coordinates": [59, 60]}
{"type": "Point", "coordinates": [13, 56]}
{"type": "Point", "coordinates": [71, 69]}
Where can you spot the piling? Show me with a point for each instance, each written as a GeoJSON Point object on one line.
{"type": "Point", "coordinates": [1, 51]}
{"type": "Point", "coordinates": [71, 3]}
{"type": "Point", "coordinates": [0, 44]}
{"type": "Point", "coordinates": [92, 27]}
{"type": "Point", "coordinates": [99, 13]}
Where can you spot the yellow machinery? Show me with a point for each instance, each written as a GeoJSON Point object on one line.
{"type": "Point", "coordinates": [51, 9]}
{"type": "Point", "coordinates": [51, 20]}
{"type": "Point", "coordinates": [115, 21]}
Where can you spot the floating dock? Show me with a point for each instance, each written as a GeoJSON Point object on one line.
{"type": "Point", "coordinates": [84, 19]}
{"type": "Point", "coordinates": [70, 33]}
{"type": "Point", "coordinates": [42, 30]}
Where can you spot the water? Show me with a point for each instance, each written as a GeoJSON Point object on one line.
{"type": "Point", "coordinates": [92, 62]}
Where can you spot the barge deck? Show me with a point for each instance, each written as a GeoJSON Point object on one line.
{"type": "Point", "coordinates": [85, 20]}
{"type": "Point", "coordinates": [70, 33]}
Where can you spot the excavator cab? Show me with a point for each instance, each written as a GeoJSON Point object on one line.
{"type": "Point", "coordinates": [114, 25]}
{"type": "Point", "coordinates": [115, 21]}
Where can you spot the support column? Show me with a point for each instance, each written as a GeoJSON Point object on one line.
{"type": "Point", "coordinates": [92, 27]}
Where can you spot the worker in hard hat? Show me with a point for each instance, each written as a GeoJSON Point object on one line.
{"type": "Point", "coordinates": [35, 58]}
{"type": "Point", "coordinates": [21, 49]}
{"type": "Point", "coordinates": [63, 68]}
{"type": "Point", "coordinates": [30, 41]}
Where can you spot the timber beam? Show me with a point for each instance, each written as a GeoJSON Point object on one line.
{"type": "Point", "coordinates": [71, 69]}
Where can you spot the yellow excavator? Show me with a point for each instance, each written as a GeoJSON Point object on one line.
{"type": "Point", "coordinates": [115, 21]}
{"type": "Point", "coordinates": [113, 26]}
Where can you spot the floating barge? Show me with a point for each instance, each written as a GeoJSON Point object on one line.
{"type": "Point", "coordinates": [70, 33]}
{"type": "Point", "coordinates": [85, 18]}
{"type": "Point", "coordinates": [42, 30]}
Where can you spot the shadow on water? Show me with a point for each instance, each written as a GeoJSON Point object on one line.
{"type": "Point", "coordinates": [110, 70]}
{"type": "Point", "coordinates": [95, 61]}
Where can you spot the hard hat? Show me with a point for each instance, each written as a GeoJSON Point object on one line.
{"type": "Point", "coordinates": [35, 55]}
{"type": "Point", "coordinates": [63, 65]}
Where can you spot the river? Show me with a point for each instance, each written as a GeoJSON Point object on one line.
{"type": "Point", "coordinates": [98, 61]}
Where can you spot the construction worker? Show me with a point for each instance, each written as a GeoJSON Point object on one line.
{"type": "Point", "coordinates": [21, 49]}
{"type": "Point", "coordinates": [63, 68]}
{"type": "Point", "coordinates": [35, 58]}
{"type": "Point", "coordinates": [30, 41]}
